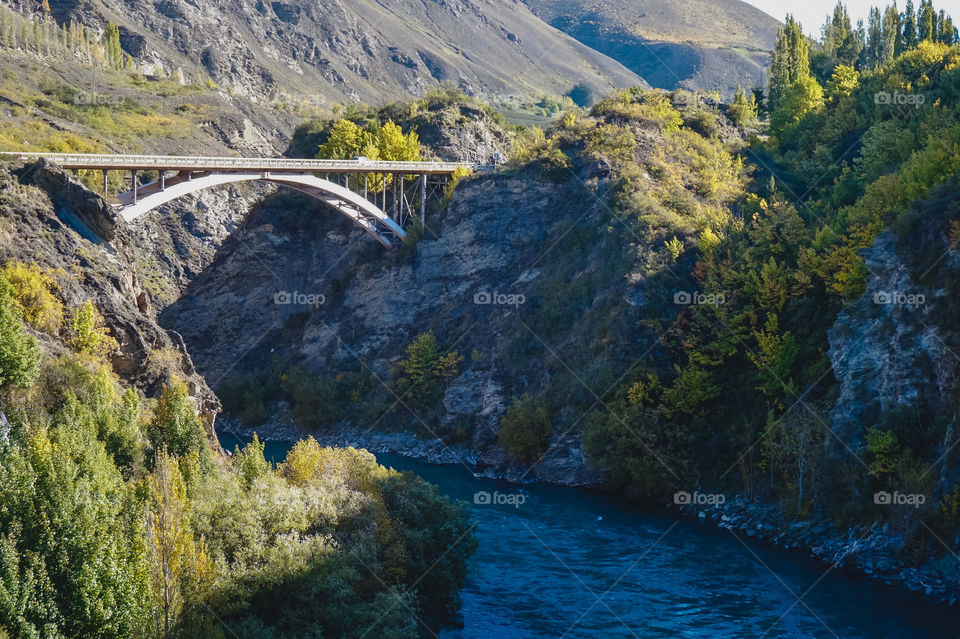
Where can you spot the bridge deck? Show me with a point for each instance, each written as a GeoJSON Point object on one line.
{"type": "Point", "coordinates": [280, 165]}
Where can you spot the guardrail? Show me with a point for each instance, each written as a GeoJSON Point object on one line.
{"type": "Point", "coordinates": [175, 162]}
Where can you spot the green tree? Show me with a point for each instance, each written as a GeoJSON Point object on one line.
{"type": "Point", "coordinates": [181, 572]}
{"type": "Point", "coordinates": [908, 33]}
{"type": "Point", "coordinates": [891, 36]}
{"type": "Point", "coordinates": [873, 53]}
{"type": "Point", "coordinates": [799, 99]}
{"type": "Point", "coordinates": [525, 428]}
{"type": "Point", "coordinates": [111, 43]}
{"type": "Point", "coordinates": [743, 110]}
{"type": "Point", "coordinates": [19, 352]}
{"type": "Point", "coordinates": [175, 427]}
{"type": "Point", "coordinates": [250, 462]}
{"type": "Point", "coordinates": [927, 22]}
{"type": "Point", "coordinates": [426, 367]}
{"type": "Point", "coordinates": [71, 556]}
{"type": "Point", "coordinates": [791, 61]}
{"type": "Point", "coordinates": [89, 334]}
{"type": "Point", "coordinates": [345, 140]}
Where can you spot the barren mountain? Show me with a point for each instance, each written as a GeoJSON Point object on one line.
{"type": "Point", "coordinates": [324, 53]}
{"type": "Point", "coordinates": [705, 44]}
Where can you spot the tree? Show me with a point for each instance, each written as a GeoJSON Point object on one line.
{"type": "Point", "coordinates": [582, 95]}
{"type": "Point", "coordinates": [908, 35]}
{"type": "Point", "coordinates": [394, 146]}
{"type": "Point", "coordinates": [800, 98]}
{"type": "Point", "coordinates": [927, 22]}
{"type": "Point", "coordinates": [948, 33]}
{"type": "Point", "coordinates": [874, 38]}
{"type": "Point", "coordinates": [70, 519]}
{"type": "Point", "coordinates": [791, 61]}
{"type": "Point", "coordinates": [175, 427]}
{"type": "Point", "coordinates": [89, 334]}
{"type": "Point", "coordinates": [426, 366]}
{"type": "Point", "coordinates": [841, 42]}
{"type": "Point", "coordinates": [891, 35]}
{"type": "Point", "coordinates": [525, 428]}
{"type": "Point", "coordinates": [844, 82]}
{"type": "Point", "coordinates": [344, 141]}
{"type": "Point", "coordinates": [742, 110]}
{"type": "Point", "coordinates": [181, 572]}
{"type": "Point", "coordinates": [35, 292]}
{"type": "Point", "coordinates": [250, 463]}
{"type": "Point", "coordinates": [19, 352]}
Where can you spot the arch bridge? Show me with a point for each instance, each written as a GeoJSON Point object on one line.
{"type": "Point", "coordinates": [380, 197]}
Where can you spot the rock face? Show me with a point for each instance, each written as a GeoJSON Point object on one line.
{"type": "Point", "coordinates": [464, 134]}
{"type": "Point", "coordinates": [886, 349]}
{"type": "Point", "coordinates": [49, 219]}
{"type": "Point", "coordinates": [375, 303]}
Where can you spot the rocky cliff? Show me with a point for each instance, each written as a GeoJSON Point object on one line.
{"type": "Point", "coordinates": [49, 219]}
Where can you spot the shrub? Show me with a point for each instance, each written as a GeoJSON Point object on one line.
{"type": "Point", "coordinates": [525, 428]}
{"type": "Point", "coordinates": [89, 334]}
{"type": "Point", "coordinates": [175, 425]}
{"type": "Point", "coordinates": [19, 352]}
{"type": "Point", "coordinates": [427, 369]}
{"type": "Point", "coordinates": [36, 293]}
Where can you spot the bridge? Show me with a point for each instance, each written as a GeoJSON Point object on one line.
{"type": "Point", "coordinates": [378, 196]}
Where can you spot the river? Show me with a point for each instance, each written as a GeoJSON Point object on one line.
{"type": "Point", "coordinates": [560, 562]}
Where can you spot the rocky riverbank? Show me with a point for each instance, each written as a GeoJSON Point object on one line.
{"type": "Point", "coordinates": [872, 551]}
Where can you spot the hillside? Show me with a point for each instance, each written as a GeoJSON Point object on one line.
{"type": "Point", "coordinates": [693, 44]}
{"type": "Point", "coordinates": [322, 54]}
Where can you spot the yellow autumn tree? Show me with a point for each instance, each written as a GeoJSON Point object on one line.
{"type": "Point", "coordinates": [181, 571]}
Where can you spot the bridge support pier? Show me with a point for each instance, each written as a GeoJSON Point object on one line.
{"type": "Point", "coordinates": [133, 180]}
{"type": "Point", "coordinates": [104, 183]}
{"type": "Point", "coordinates": [423, 198]}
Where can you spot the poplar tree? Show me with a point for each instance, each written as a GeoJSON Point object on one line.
{"type": "Point", "coordinates": [891, 34]}
{"type": "Point", "coordinates": [791, 61]}
{"type": "Point", "coordinates": [908, 37]}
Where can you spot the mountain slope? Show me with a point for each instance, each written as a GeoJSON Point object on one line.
{"type": "Point", "coordinates": [701, 44]}
{"type": "Point", "coordinates": [331, 52]}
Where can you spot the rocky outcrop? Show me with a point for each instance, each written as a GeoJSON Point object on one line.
{"type": "Point", "coordinates": [886, 349]}
{"type": "Point", "coordinates": [48, 218]}
{"type": "Point", "coordinates": [462, 134]}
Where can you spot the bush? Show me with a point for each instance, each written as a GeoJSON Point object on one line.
{"type": "Point", "coordinates": [89, 334]}
{"type": "Point", "coordinates": [19, 352]}
{"type": "Point", "coordinates": [526, 428]}
{"type": "Point", "coordinates": [175, 426]}
{"type": "Point", "coordinates": [36, 293]}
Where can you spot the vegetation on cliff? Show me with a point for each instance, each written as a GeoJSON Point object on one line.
{"type": "Point", "coordinates": [118, 520]}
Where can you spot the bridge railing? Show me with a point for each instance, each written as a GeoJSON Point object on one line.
{"type": "Point", "coordinates": [188, 163]}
